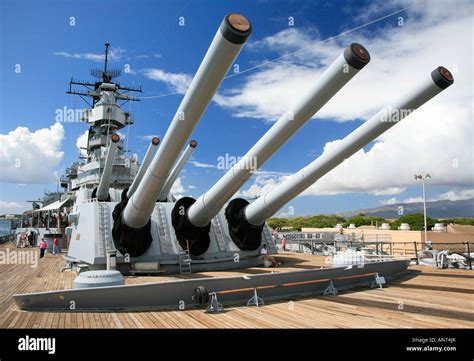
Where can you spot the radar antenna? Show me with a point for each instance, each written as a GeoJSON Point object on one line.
{"type": "Point", "coordinates": [104, 75]}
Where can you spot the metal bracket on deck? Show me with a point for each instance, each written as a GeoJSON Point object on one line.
{"type": "Point", "coordinates": [214, 305]}
{"type": "Point", "coordinates": [67, 267]}
{"type": "Point", "coordinates": [255, 299]}
{"type": "Point", "coordinates": [330, 290]}
{"type": "Point", "coordinates": [379, 281]}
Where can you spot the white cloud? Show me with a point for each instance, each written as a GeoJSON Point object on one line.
{"type": "Point", "coordinates": [413, 200]}
{"type": "Point", "coordinates": [114, 54]}
{"type": "Point", "coordinates": [179, 190]}
{"type": "Point", "coordinates": [31, 157]}
{"type": "Point", "coordinates": [11, 207]}
{"type": "Point", "coordinates": [457, 195]}
{"type": "Point", "coordinates": [392, 200]}
{"type": "Point", "coordinates": [376, 9]}
{"type": "Point", "coordinates": [452, 195]}
{"type": "Point", "coordinates": [387, 191]}
{"type": "Point", "coordinates": [201, 165]}
{"type": "Point", "coordinates": [148, 137]}
{"type": "Point", "coordinates": [266, 173]}
{"type": "Point", "coordinates": [437, 138]}
{"type": "Point", "coordinates": [261, 185]}
{"type": "Point", "coordinates": [81, 142]}
{"type": "Point", "coordinates": [178, 82]}
{"type": "Point", "coordinates": [288, 39]}
{"type": "Point", "coordinates": [177, 186]}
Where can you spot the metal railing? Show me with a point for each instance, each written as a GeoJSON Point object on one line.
{"type": "Point", "coordinates": [379, 248]}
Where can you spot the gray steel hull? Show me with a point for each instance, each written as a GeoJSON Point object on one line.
{"type": "Point", "coordinates": [231, 290]}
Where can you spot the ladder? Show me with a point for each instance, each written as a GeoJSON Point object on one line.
{"type": "Point", "coordinates": [105, 242]}
{"type": "Point", "coordinates": [216, 226]}
{"type": "Point", "coordinates": [162, 227]}
{"type": "Point", "coordinates": [184, 261]}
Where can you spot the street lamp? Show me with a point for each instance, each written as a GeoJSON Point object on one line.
{"type": "Point", "coordinates": [423, 178]}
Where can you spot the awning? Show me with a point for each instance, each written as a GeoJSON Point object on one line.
{"type": "Point", "coordinates": [53, 206]}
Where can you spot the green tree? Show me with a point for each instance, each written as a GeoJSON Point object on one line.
{"type": "Point", "coordinates": [362, 220]}
{"type": "Point", "coordinates": [462, 221]}
{"type": "Point", "coordinates": [319, 221]}
{"type": "Point", "coordinates": [275, 223]}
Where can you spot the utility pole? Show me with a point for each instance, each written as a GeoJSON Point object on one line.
{"type": "Point", "coordinates": [423, 179]}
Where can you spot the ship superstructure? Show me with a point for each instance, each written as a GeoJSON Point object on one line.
{"type": "Point", "coordinates": [105, 117]}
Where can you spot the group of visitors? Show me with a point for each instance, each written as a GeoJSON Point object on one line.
{"type": "Point", "coordinates": [43, 220]}
{"type": "Point", "coordinates": [27, 239]}
{"type": "Point", "coordinates": [43, 245]}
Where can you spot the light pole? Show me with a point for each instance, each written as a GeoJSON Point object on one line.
{"type": "Point", "coordinates": [423, 178]}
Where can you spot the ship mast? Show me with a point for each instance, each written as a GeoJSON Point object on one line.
{"type": "Point", "coordinates": [106, 76]}
{"type": "Point", "coordinates": [105, 116]}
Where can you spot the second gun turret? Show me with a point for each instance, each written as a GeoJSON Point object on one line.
{"type": "Point", "coordinates": [102, 191]}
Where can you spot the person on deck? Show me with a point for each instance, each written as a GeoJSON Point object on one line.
{"type": "Point", "coordinates": [266, 257]}
{"type": "Point", "coordinates": [24, 240]}
{"type": "Point", "coordinates": [56, 245]}
{"type": "Point", "coordinates": [30, 239]}
{"type": "Point", "coordinates": [42, 247]}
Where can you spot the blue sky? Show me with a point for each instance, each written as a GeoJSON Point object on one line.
{"type": "Point", "coordinates": [146, 36]}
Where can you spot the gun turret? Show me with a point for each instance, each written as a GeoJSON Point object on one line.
{"type": "Point", "coordinates": [104, 183]}
{"type": "Point", "coordinates": [176, 170]}
{"type": "Point", "coordinates": [247, 220]}
{"type": "Point", "coordinates": [144, 166]}
{"type": "Point", "coordinates": [195, 221]}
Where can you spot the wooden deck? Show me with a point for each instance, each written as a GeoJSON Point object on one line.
{"type": "Point", "coordinates": [424, 297]}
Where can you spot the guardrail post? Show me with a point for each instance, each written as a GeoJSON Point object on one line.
{"type": "Point", "coordinates": [468, 254]}
{"type": "Point", "coordinates": [416, 252]}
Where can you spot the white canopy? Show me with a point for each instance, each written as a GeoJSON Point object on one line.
{"type": "Point", "coordinates": [53, 206]}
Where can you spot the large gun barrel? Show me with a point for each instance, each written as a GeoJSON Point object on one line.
{"type": "Point", "coordinates": [225, 47]}
{"type": "Point", "coordinates": [339, 73]}
{"type": "Point", "coordinates": [177, 169]}
{"type": "Point", "coordinates": [132, 221]}
{"type": "Point", "coordinates": [104, 183]}
{"type": "Point", "coordinates": [144, 166]}
{"type": "Point", "coordinates": [254, 215]}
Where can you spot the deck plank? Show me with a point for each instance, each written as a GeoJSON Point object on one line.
{"type": "Point", "coordinates": [431, 298]}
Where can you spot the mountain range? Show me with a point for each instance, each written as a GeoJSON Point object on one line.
{"type": "Point", "coordinates": [436, 209]}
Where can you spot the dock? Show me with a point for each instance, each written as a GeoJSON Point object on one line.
{"type": "Point", "coordinates": [423, 297]}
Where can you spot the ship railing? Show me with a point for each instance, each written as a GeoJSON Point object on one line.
{"type": "Point", "coordinates": [327, 246]}
{"type": "Point", "coordinates": [416, 250]}
{"type": "Point", "coordinates": [380, 251]}
{"type": "Point", "coordinates": [370, 258]}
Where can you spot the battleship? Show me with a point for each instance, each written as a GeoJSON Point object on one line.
{"type": "Point", "coordinates": [119, 218]}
